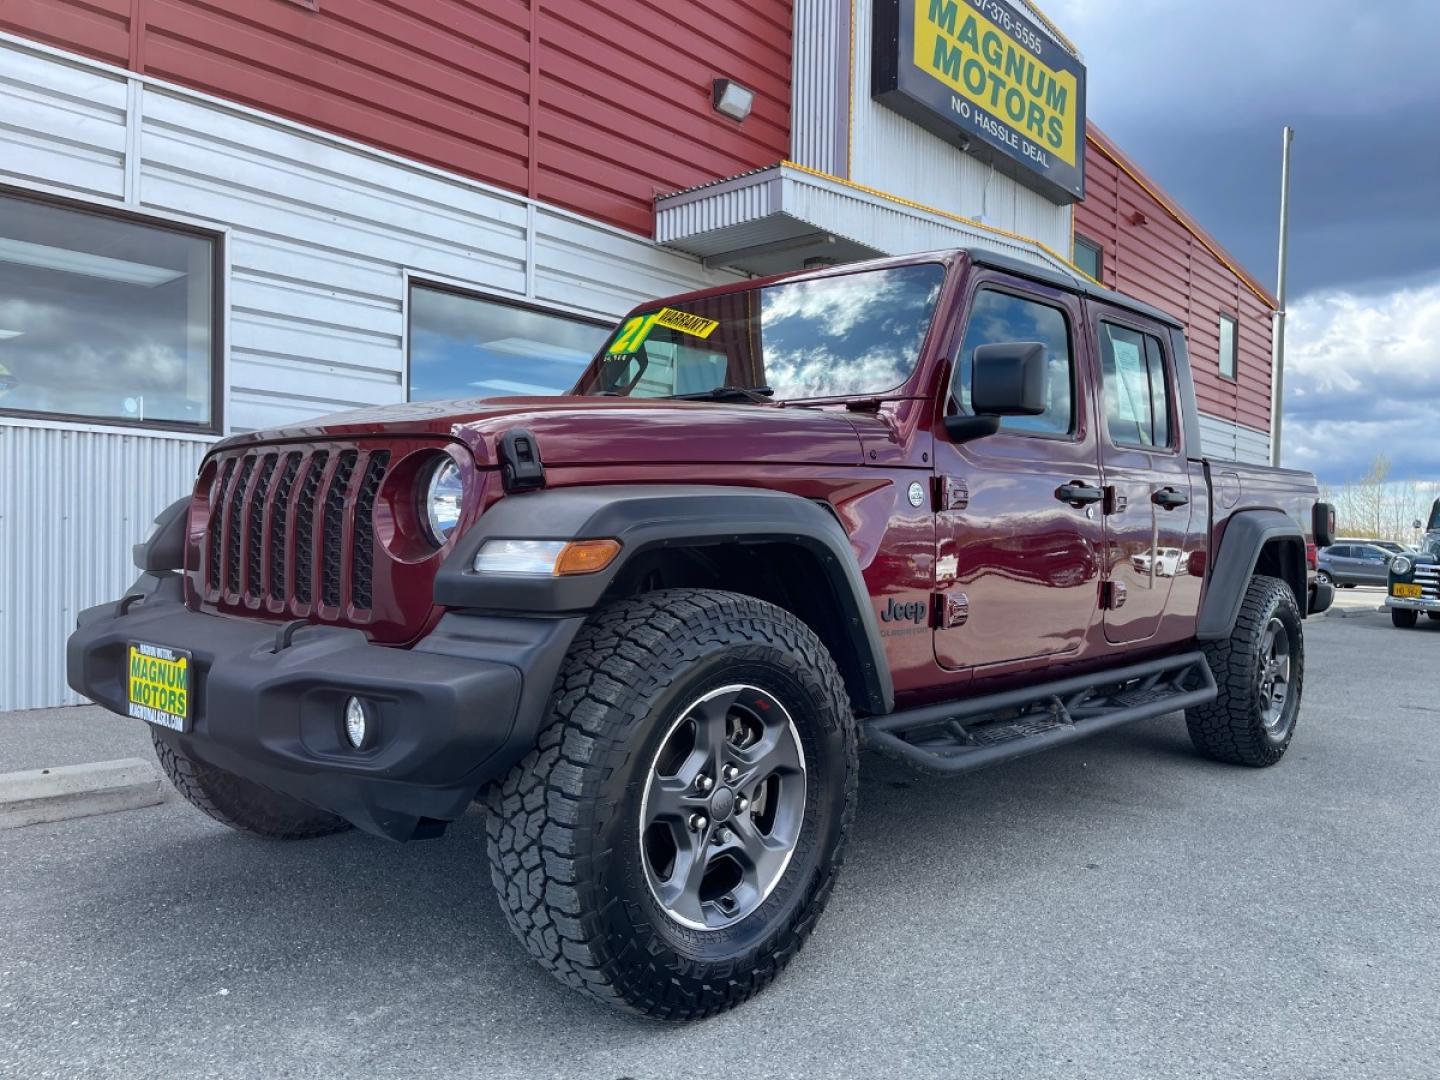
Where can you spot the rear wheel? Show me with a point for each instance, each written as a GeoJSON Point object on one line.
{"type": "Point", "coordinates": [673, 838]}
{"type": "Point", "coordinates": [239, 803]}
{"type": "Point", "coordinates": [1404, 617]}
{"type": "Point", "coordinates": [1259, 670]}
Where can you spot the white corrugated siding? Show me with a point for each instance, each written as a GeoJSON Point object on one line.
{"type": "Point", "coordinates": [820, 86]}
{"type": "Point", "coordinates": [1233, 442]}
{"type": "Point", "coordinates": [71, 504]}
{"type": "Point", "coordinates": [891, 153]}
{"type": "Point", "coordinates": [321, 235]}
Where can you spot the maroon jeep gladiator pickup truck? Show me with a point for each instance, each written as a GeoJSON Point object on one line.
{"type": "Point", "coordinates": [951, 507]}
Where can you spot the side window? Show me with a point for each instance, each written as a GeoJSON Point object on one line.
{"type": "Point", "coordinates": [997, 317]}
{"type": "Point", "coordinates": [1137, 396]}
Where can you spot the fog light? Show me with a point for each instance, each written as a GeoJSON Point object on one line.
{"type": "Point", "coordinates": [357, 723]}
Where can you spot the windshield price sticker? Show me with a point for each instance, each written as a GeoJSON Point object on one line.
{"type": "Point", "coordinates": [633, 334]}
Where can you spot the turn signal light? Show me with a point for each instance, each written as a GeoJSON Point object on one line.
{"type": "Point", "coordinates": [586, 556]}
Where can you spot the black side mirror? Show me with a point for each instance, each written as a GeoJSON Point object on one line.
{"type": "Point", "coordinates": [1007, 379]}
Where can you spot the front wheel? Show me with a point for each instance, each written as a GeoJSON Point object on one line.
{"type": "Point", "coordinates": [1259, 670]}
{"type": "Point", "coordinates": [241, 804]}
{"type": "Point", "coordinates": [671, 841]}
{"type": "Point", "coordinates": [1404, 617]}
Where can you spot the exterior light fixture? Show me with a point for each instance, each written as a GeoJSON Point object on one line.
{"type": "Point", "coordinates": [731, 99]}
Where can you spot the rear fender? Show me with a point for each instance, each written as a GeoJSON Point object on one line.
{"type": "Point", "coordinates": [1255, 541]}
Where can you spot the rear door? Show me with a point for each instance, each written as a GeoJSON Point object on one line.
{"type": "Point", "coordinates": [1145, 472]}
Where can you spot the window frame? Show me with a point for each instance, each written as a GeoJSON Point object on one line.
{"type": "Point", "coordinates": [1010, 288]}
{"type": "Point", "coordinates": [1167, 365]}
{"type": "Point", "coordinates": [1079, 240]}
{"type": "Point", "coordinates": [219, 316]}
{"type": "Point", "coordinates": [414, 278]}
{"type": "Point", "coordinates": [1234, 321]}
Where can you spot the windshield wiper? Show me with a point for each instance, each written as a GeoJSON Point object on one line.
{"type": "Point", "coordinates": [759, 394]}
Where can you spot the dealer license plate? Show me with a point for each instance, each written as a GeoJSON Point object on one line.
{"type": "Point", "coordinates": [159, 685]}
{"type": "Point", "coordinates": [1409, 592]}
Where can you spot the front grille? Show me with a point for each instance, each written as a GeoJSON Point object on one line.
{"type": "Point", "coordinates": [1427, 576]}
{"type": "Point", "coordinates": [287, 524]}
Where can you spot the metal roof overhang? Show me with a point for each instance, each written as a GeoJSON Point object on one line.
{"type": "Point", "coordinates": [782, 217]}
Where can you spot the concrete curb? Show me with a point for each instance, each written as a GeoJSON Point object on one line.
{"type": "Point", "coordinates": [102, 787]}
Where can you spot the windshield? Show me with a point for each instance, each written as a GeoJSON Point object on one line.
{"type": "Point", "coordinates": [855, 335]}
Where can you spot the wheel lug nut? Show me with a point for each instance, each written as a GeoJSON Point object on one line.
{"type": "Point", "coordinates": [742, 804]}
{"type": "Point", "coordinates": [730, 773]}
{"type": "Point", "coordinates": [723, 836]}
{"type": "Point", "coordinates": [698, 822]}
{"type": "Point", "coordinates": [704, 783]}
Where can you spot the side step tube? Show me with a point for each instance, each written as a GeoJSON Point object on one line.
{"type": "Point", "coordinates": [936, 738]}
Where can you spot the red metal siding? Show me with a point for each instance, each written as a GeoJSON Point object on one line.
{"type": "Point", "coordinates": [1158, 258]}
{"type": "Point", "coordinates": [591, 105]}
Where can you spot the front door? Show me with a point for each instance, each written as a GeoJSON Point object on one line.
{"type": "Point", "coordinates": [1146, 475]}
{"type": "Point", "coordinates": [1018, 528]}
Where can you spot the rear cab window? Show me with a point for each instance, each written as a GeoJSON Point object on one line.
{"type": "Point", "coordinates": [1136, 388]}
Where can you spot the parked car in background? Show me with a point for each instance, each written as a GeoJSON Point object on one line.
{"type": "Point", "coordinates": [1351, 563]}
{"type": "Point", "coordinates": [1392, 546]}
{"type": "Point", "coordinates": [1415, 584]}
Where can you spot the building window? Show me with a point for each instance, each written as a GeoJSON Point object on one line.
{"type": "Point", "coordinates": [1227, 346]}
{"type": "Point", "coordinates": [467, 346]}
{"type": "Point", "coordinates": [1090, 257]}
{"type": "Point", "coordinates": [106, 319]}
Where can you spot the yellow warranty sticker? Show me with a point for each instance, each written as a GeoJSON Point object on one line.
{"type": "Point", "coordinates": [633, 334]}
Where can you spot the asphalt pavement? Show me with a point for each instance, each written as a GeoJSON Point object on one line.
{"type": "Point", "coordinates": [1120, 908]}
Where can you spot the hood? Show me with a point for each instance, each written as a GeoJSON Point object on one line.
{"type": "Point", "coordinates": [579, 431]}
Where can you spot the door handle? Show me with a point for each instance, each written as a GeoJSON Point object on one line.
{"type": "Point", "coordinates": [1169, 498]}
{"type": "Point", "coordinates": [1079, 493]}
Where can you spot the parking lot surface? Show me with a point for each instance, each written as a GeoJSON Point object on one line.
{"type": "Point", "coordinates": [1121, 908]}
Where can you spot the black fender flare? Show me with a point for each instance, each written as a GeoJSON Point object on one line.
{"type": "Point", "coordinates": [164, 549]}
{"type": "Point", "coordinates": [644, 517]}
{"type": "Point", "coordinates": [1246, 534]}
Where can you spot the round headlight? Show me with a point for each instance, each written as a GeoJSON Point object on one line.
{"type": "Point", "coordinates": [444, 500]}
{"type": "Point", "coordinates": [1401, 565]}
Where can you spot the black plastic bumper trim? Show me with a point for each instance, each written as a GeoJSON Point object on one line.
{"type": "Point", "coordinates": [453, 713]}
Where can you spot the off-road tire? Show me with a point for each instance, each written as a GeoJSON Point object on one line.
{"type": "Point", "coordinates": [1404, 617]}
{"type": "Point", "coordinates": [239, 803]}
{"type": "Point", "coordinates": [563, 827]}
{"type": "Point", "coordinates": [1231, 728]}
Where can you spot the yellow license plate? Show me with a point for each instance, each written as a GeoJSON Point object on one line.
{"type": "Point", "coordinates": [159, 685]}
{"type": "Point", "coordinates": [1409, 592]}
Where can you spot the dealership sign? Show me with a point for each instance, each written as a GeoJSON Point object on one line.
{"type": "Point", "coordinates": [979, 73]}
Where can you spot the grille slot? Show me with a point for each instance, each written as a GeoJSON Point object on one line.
{"type": "Point", "coordinates": [214, 537]}
{"type": "Point", "coordinates": [232, 527]}
{"type": "Point", "coordinates": [362, 555]}
{"type": "Point", "coordinates": [254, 525]}
{"type": "Point", "coordinates": [279, 518]}
{"type": "Point", "coordinates": [305, 528]}
{"type": "Point", "coordinates": [332, 538]}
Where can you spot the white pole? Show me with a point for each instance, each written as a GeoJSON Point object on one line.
{"type": "Point", "coordinates": [1277, 344]}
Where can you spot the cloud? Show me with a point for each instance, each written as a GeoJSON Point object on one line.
{"type": "Point", "coordinates": [1197, 94]}
{"type": "Point", "coordinates": [1362, 379]}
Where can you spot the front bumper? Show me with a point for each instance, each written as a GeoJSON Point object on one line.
{"type": "Point", "coordinates": [453, 713]}
{"type": "Point", "coordinates": [1423, 603]}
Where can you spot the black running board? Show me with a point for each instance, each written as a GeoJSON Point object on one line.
{"type": "Point", "coordinates": [958, 736]}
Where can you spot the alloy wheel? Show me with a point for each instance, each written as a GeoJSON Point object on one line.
{"type": "Point", "coordinates": [723, 807]}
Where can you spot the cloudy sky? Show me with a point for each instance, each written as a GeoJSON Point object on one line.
{"type": "Point", "coordinates": [1197, 93]}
